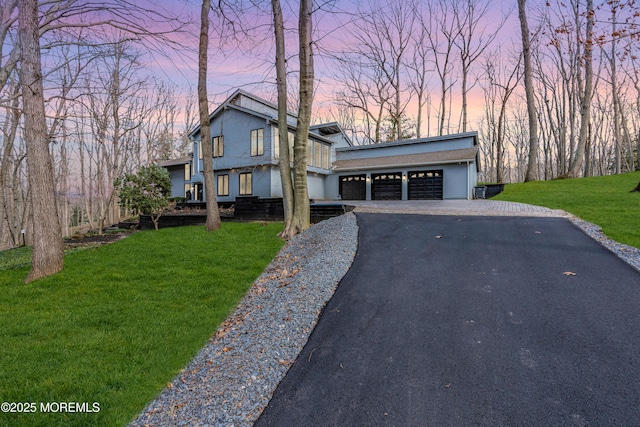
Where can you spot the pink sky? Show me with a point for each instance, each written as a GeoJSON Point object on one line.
{"type": "Point", "coordinates": [250, 69]}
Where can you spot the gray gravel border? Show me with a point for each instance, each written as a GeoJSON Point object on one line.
{"type": "Point", "coordinates": [628, 254]}
{"type": "Point", "coordinates": [233, 378]}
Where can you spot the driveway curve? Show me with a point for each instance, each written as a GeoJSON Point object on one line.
{"type": "Point", "coordinates": [471, 320]}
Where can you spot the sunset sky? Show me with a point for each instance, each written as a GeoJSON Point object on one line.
{"type": "Point", "coordinates": [248, 64]}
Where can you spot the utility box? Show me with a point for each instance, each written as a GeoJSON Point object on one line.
{"type": "Point", "coordinates": [480, 192]}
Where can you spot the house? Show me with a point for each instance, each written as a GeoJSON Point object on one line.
{"type": "Point", "coordinates": [244, 138]}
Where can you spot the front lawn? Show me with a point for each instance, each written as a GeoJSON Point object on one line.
{"type": "Point", "coordinates": [121, 320]}
{"type": "Point", "coordinates": [604, 200]}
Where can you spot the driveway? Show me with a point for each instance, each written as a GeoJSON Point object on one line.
{"type": "Point", "coordinates": [461, 320]}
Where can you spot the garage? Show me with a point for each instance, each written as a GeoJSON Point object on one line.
{"type": "Point", "coordinates": [425, 185]}
{"type": "Point", "coordinates": [386, 186]}
{"type": "Point", "coordinates": [353, 187]}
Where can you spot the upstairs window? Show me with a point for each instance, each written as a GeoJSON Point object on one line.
{"type": "Point", "coordinates": [317, 156]}
{"type": "Point", "coordinates": [310, 151]}
{"type": "Point", "coordinates": [276, 143]}
{"type": "Point", "coordinates": [257, 142]}
{"type": "Point", "coordinates": [187, 172]}
{"type": "Point", "coordinates": [326, 152]}
{"type": "Point", "coordinates": [217, 145]}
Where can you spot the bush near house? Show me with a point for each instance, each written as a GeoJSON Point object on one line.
{"type": "Point", "coordinates": [604, 200]}
{"type": "Point", "coordinates": [146, 191]}
{"type": "Point", "coordinates": [120, 321]}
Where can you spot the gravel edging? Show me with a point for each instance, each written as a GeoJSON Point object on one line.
{"type": "Point", "coordinates": [234, 376]}
{"type": "Point", "coordinates": [628, 254]}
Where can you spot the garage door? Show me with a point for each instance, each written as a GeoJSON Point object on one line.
{"type": "Point", "coordinates": [353, 187]}
{"type": "Point", "coordinates": [386, 186]}
{"type": "Point", "coordinates": [425, 185]}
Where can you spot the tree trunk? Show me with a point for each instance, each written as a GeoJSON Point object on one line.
{"type": "Point", "coordinates": [213, 215]}
{"type": "Point", "coordinates": [283, 129]}
{"type": "Point", "coordinates": [302, 211]}
{"type": "Point", "coordinates": [48, 249]}
{"type": "Point", "coordinates": [577, 164]}
{"type": "Point", "coordinates": [532, 165]}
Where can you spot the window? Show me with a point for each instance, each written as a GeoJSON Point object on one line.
{"type": "Point", "coordinates": [187, 172]}
{"type": "Point", "coordinates": [257, 142]}
{"type": "Point", "coordinates": [275, 138]}
{"type": "Point", "coordinates": [317, 157]}
{"type": "Point", "coordinates": [325, 156]}
{"type": "Point", "coordinates": [310, 151]}
{"type": "Point", "coordinates": [223, 185]}
{"type": "Point", "coordinates": [246, 184]}
{"type": "Point", "coordinates": [276, 145]}
{"type": "Point", "coordinates": [217, 143]}
{"type": "Point", "coordinates": [187, 191]}
{"type": "Point", "coordinates": [199, 147]}
{"type": "Point", "coordinates": [292, 138]}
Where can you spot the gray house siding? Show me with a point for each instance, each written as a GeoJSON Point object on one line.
{"type": "Point", "coordinates": [450, 163]}
{"type": "Point", "coordinates": [428, 168]}
{"type": "Point", "coordinates": [457, 183]}
{"type": "Point", "coordinates": [235, 127]}
{"type": "Point", "coordinates": [177, 180]}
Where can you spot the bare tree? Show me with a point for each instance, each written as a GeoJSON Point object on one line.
{"type": "Point", "coordinates": [11, 189]}
{"type": "Point", "coordinates": [48, 250]}
{"type": "Point", "coordinates": [284, 161]}
{"type": "Point", "coordinates": [442, 31]}
{"type": "Point", "coordinates": [419, 75]}
{"type": "Point", "coordinates": [213, 215]}
{"type": "Point", "coordinates": [502, 80]}
{"type": "Point", "coordinates": [364, 89]}
{"type": "Point", "coordinates": [302, 211]}
{"type": "Point", "coordinates": [532, 165]}
{"type": "Point", "coordinates": [586, 93]}
{"type": "Point", "coordinates": [472, 42]}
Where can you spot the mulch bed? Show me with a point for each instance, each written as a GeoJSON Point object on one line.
{"type": "Point", "coordinates": [86, 240]}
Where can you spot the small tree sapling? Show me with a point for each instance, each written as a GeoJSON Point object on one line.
{"type": "Point", "coordinates": [146, 192]}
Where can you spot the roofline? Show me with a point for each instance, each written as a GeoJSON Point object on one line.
{"type": "Point", "coordinates": [473, 135]}
{"type": "Point", "coordinates": [227, 103]}
{"type": "Point", "coordinates": [344, 134]}
{"type": "Point", "coordinates": [311, 134]}
{"type": "Point", "coordinates": [403, 166]}
{"type": "Point", "coordinates": [176, 162]}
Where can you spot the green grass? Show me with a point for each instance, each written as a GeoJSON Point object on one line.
{"type": "Point", "coordinates": [15, 258]}
{"type": "Point", "coordinates": [606, 201]}
{"type": "Point", "coordinates": [122, 320]}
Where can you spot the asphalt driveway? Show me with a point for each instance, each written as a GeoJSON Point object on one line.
{"type": "Point", "coordinates": [459, 321]}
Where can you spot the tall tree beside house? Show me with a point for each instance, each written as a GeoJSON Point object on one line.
{"type": "Point", "coordinates": [213, 215]}
{"type": "Point", "coordinates": [532, 166]}
{"type": "Point", "coordinates": [302, 211]}
{"type": "Point", "coordinates": [48, 249]}
{"type": "Point", "coordinates": [297, 199]}
{"type": "Point", "coordinates": [283, 139]}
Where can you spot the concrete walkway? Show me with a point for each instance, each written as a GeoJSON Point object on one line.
{"type": "Point", "coordinates": [455, 207]}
